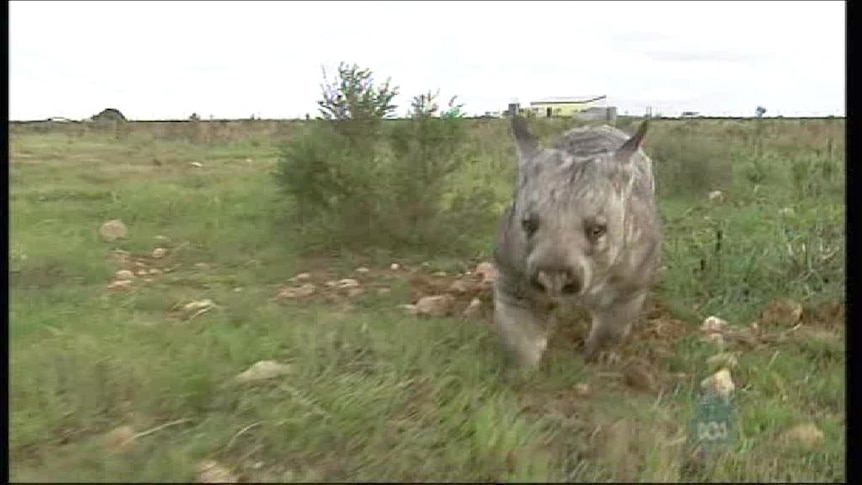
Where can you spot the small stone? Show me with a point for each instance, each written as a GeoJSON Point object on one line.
{"type": "Point", "coordinates": [346, 283]}
{"type": "Point", "coordinates": [210, 471]}
{"type": "Point", "coordinates": [713, 324]}
{"type": "Point", "coordinates": [720, 383]}
{"type": "Point", "coordinates": [583, 390]}
{"type": "Point", "coordinates": [124, 274]}
{"type": "Point", "coordinates": [159, 253]}
{"type": "Point", "coordinates": [119, 438]}
{"type": "Point", "coordinates": [263, 370]}
{"type": "Point", "coordinates": [435, 306]}
{"type": "Point", "coordinates": [198, 305]}
{"type": "Point", "coordinates": [486, 271]}
{"type": "Point", "coordinates": [439, 274]}
{"type": "Point", "coordinates": [301, 277]}
{"type": "Point", "coordinates": [119, 284]}
{"type": "Point", "coordinates": [155, 271]}
{"type": "Point", "coordinates": [473, 310]}
{"type": "Point", "coordinates": [411, 309]}
{"type": "Point", "coordinates": [354, 292]}
{"type": "Point", "coordinates": [787, 211]}
{"type": "Point", "coordinates": [197, 164]}
{"type": "Point", "coordinates": [142, 272]}
{"type": "Point", "coordinates": [303, 291]}
{"type": "Point", "coordinates": [362, 270]}
{"type": "Point", "coordinates": [460, 287]}
{"type": "Point", "coordinates": [113, 230]}
{"type": "Point", "coordinates": [394, 266]}
{"type": "Point", "coordinates": [806, 435]}
{"type": "Point", "coordinates": [716, 196]}
{"type": "Point", "coordinates": [161, 238]}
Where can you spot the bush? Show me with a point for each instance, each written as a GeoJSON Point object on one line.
{"type": "Point", "coordinates": [356, 184]}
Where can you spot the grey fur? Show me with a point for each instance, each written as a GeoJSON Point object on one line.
{"type": "Point", "coordinates": [589, 201]}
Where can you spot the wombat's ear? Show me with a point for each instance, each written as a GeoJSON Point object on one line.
{"type": "Point", "coordinates": [527, 143]}
{"type": "Point", "coordinates": [624, 153]}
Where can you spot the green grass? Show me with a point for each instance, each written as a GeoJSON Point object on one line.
{"type": "Point", "coordinates": [374, 394]}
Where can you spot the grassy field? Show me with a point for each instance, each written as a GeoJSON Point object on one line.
{"type": "Point", "coordinates": [131, 383]}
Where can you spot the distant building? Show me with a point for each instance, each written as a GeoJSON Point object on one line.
{"type": "Point", "coordinates": [565, 107]}
{"type": "Point", "coordinates": [689, 114]}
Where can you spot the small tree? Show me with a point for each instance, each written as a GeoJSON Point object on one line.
{"type": "Point", "coordinates": [760, 111]}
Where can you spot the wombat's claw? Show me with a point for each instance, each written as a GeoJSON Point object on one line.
{"type": "Point", "coordinates": [608, 357]}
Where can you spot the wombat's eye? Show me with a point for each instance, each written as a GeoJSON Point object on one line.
{"type": "Point", "coordinates": [596, 231]}
{"type": "Point", "coordinates": [530, 223]}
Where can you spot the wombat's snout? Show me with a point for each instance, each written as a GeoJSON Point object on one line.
{"type": "Point", "coordinates": [557, 281]}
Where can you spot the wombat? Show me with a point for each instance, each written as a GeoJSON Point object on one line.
{"type": "Point", "coordinates": [583, 228]}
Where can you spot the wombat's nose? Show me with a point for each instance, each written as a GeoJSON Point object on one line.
{"type": "Point", "coordinates": [558, 281]}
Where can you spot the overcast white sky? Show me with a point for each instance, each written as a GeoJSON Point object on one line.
{"type": "Point", "coordinates": [166, 60]}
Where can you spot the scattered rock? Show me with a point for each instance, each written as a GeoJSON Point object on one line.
{"type": "Point", "coordinates": [142, 272]}
{"type": "Point", "coordinates": [439, 274]}
{"type": "Point", "coordinates": [198, 305]}
{"type": "Point", "coordinates": [113, 230]}
{"type": "Point", "coordinates": [394, 266]}
{"type": "Point", "coordinates": [782, 312]}
{"type": "Point", "coordinates": [119, 438]}
{"type": "Point", "coordinates": [362, 270]}
{"type": "Point", "coordinates": [411, 309]}
{"type": "Point", "coordinates": [354, 292]}
{"type": "Point", "coordinates": [210, 471]}
{"type": "Point", "coordinates": [713, 324]}
{"type": "Point", "coordinates": [787, 211]}
{"type": "Point", "coordinates": [119, 284]}
{"type": "Point", "coordinates": [719, 383]}
{"type": "Point", "coordinates": [161, 238]}
{"type": "Point", "coordinates": [473, 310]}
{"type": "Point", "coordinates": [716, 196]}
{"type": "Point", "coordinates": [435, 306]}
{"type": "Point", "coordinates": [154, 271]}
{"type": "Point", "coordinates": [346, 283]}
{"type": "Point", "coordinates": [459, 287]}
{"type": "Point", "coordinates": [263, 370]}
{"type": "Point", "coordinates": [300, 277]}
{"type": "Point", "coordinates": [303, 291]}
{"type": "Point", "coordinates": [197, 164]}
{"type": "Point", "coordinates": [583, 390]}
{"type": "Point", "coordinates": [159, 253]}
{"type": "Point", "coordinates": [124, 274]}
{"type": "Point", "coordinates": [805, 435]}
{"type": "Point", "coordinates": [487, 272]}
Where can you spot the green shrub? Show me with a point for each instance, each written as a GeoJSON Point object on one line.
{"type": "Point", "coordinates": [357, 183]}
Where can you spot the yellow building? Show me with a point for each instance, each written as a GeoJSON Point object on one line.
{"type": "Point", "coordinates": [565, 107]}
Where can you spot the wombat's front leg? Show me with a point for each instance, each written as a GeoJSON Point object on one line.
{"type": "Point", "coordinates": [611, 323]}
{"type": "Point", "coordinates": [522, 331]}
